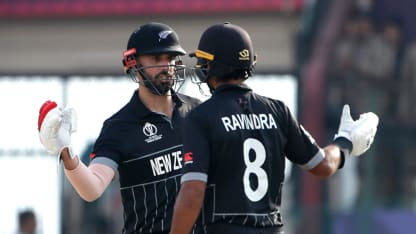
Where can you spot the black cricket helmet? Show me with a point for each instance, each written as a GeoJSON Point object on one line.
{"type": "Point", "coordinates": [228, 49]}
{"type": "Point", "coordinates": [154, 39]}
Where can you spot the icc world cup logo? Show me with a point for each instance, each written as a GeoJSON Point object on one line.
{"type": "Point", "coordinates": [149, 129]}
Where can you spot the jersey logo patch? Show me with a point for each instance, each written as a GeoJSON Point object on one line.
{"type": "Point", "coordinates": [164, 34]}
{"type": "Point", "coordinates": [150, 130]}
{"type": "Point", "coordinates": [188, 157]}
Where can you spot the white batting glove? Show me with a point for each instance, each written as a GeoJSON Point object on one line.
{"type": "Point", "coordinates": [356, 137]}
{"type": "Point", "coordinates": [55, 127]}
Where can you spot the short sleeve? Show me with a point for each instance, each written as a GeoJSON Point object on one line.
{"type": "Point", "coordinates": [301, 147]}
{"type": "Point", "coordinates": [196, 148]}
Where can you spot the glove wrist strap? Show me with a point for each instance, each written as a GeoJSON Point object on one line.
{"type": "Point", "coordinates": [343, 134]}
{"type": "Point", "coordinates": [345, 146]}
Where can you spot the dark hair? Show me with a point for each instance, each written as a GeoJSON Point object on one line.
{"type": "Point", "coordinates": [25, 215]}
{"type": "Point", "coordinates": [237, 74]}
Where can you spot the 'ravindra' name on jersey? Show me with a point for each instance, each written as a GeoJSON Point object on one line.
{"type": "Point", "coordinates": [248, 122]}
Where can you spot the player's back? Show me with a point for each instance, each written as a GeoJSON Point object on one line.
{"type": "Point", "coordinates": [246, 168]}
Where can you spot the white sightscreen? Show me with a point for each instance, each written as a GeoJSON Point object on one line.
{"type": "Point", "coordinates": [28, 175]}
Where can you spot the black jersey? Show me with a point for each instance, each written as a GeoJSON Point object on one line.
{"type": "Point", "coordinates": [146, 148]}
{"type": "Point", "coordinates": [237, 142]}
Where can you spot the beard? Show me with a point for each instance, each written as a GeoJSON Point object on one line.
{"type": "Point", "coordinates": [160, 84]}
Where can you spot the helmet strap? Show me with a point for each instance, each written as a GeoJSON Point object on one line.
{"type": "Point", "coordinates": [148, 83]}
{"type": "Point", "coordinates": [211, 89]}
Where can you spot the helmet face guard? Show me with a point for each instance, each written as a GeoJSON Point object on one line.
{"type": "Point", "coordinates": [157, 85]}
{"type": "Point", "coordinates": [155, 39]}
{"type": "Point", "coordinates": [199, 73]}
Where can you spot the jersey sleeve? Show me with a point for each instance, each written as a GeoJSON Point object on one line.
{"type": "Point", "coordinates": [106, 147]}
{"type": "Point", "coordinates": [301, 147]}
{"type": "Point", "coordinates": [196, 149]}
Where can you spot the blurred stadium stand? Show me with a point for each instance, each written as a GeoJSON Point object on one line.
{"type": "Point", "coordinates": [386, 175]}
{"type": "Point", "coordinates": [42, 8]}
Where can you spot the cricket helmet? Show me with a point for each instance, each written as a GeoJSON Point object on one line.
{"type": "Point", "coordinates": [153, 39]}
{"type": "Point", "coordinates": [226, 48]}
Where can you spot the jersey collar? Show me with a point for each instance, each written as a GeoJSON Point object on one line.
{"type": "Point", "coordinates": [142, 111]}
{"type": "Point", "coordinates": [232, 87]}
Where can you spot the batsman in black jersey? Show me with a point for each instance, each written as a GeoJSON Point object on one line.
{"type": "Point", "coordinates": [235, 144]}
{"type": "Point", "coordinates": [141, 142]}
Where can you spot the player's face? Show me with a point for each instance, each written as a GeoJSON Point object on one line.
{"type": "Point", "coordinates": [160, 69]}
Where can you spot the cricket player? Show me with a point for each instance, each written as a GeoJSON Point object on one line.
{"type": "Point", "coordinates": [141, 142]}
{"type": "Point", "coordinates": [235, 144]}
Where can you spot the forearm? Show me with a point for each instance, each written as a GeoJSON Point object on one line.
{"type": "Point", "coordinates": [187, 207]}
{"type": "Point", "coordinates": [89, 182]}
{"type": "Point", "coordinates": [330, 164]}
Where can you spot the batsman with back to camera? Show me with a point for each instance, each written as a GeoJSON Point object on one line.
{"type": "Point", "coordinates": [235, 144]}
{"type": "Point", "coordinates": [142, 141]}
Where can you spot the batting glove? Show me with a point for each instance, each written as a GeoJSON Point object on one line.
{"type": "Point", "coordinates": [356, 137]}
{"type": "Point", "coordinates": [55, 126]}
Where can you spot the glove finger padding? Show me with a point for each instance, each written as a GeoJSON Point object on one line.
{"type": "Point", "coordinates": [55, 127]}
{"type": "Point", "coordinates": [346, 115]}
{"type": "Point", "coordinates": [363, 133]}
{"type": "Point", "coordinates": [69, 119]}
{"type": "Point", "coordinates": [346, 123]}
{"type": "Point", "coordinates": [356, 137]}
{"type": "Point", "coordinates": [49, 129]}
{"type": "Point", "coordinates": [43, 111]}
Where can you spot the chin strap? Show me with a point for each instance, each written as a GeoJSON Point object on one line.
{"type": "Point", "coordinates": [147, 82]}
{"type": "Point", "coordinates": [211, 89]}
